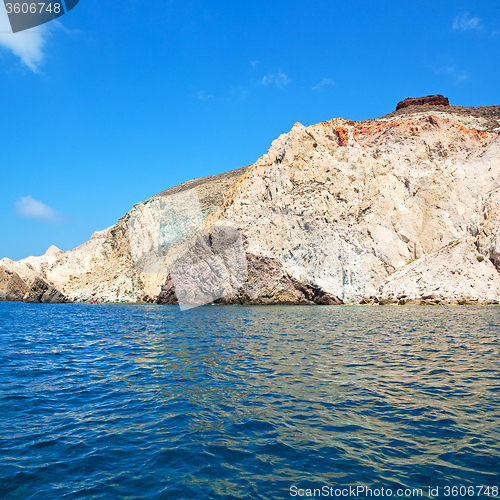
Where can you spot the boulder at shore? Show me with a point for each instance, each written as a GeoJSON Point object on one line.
{"type": "Point", "coordinates": [41, 291]}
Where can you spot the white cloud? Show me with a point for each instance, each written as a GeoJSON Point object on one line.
{"type": "Point", "coordinates": [27, 207]}
{"type": "Point", "coordinates": [202, 95]}
{"type": "Point", "coordinates": [279, 79]}
{"type": "Point", "coordinates": [322, 83]}
{"type": "Point", "coordinates": [27, 45]}
{"type": "Point", "coordinates": [465, 22]}
{"type": "Point", "coordinates": [254, 64]}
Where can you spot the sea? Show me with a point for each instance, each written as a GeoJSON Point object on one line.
{"type": "Point", "coordinates": [101, 401]}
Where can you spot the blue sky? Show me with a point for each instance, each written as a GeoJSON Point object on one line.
{"type": "Point", "coordinates": [117, 101]}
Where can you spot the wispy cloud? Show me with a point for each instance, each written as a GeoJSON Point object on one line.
{"type": "Point", "coordinates": [203, 96]}
{"type": "Point", "coordinates": [465, 22]}
{"type": "Point", "coordinates": [322, 83]}
{"type": "Point", "coordinates": [279, 79]}
{"type": "Point", "coordinates": [27, 207]}
{"type": "Point", "coordinates": [254, 64]}
{"type": "Point", "coordinates": [27, 45]}
{"type": "Point", "coordinates": [456, 74]}
{"type": "Point", "coordinates": [55, 24]}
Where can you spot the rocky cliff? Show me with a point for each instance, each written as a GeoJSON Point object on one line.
{"type": "Point", "coordinates": [401, 209]}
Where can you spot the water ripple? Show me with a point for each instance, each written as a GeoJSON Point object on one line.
{"type": "Point", "coordinates": [135, 402]}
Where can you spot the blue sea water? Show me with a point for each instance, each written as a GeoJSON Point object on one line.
{"type": "Point", "coordinates": [147, 402]}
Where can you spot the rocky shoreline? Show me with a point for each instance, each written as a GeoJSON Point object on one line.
{"type": "Point", "coordinates": [403, 209]}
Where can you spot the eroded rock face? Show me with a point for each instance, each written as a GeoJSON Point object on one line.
{"type": "Point", "coordinates": [488, 231]}
{"type": "Point", "coordinates": [431, 100]}
{"type": "Point", "coordinates": [267, 284]}
{"type": "Point", "coordinates": [456, 274]}
{"type": "Point", "coordinates": [41, 292]}
{"type": "Point", "coordinates": [12, 287]}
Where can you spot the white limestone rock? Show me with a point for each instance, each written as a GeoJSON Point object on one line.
{"type": "Point", "coordinates": [455, 274]}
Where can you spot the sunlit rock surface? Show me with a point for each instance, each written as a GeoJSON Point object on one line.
{"type": "Point", "coordinates": [12, 287]}
{"type": "Point", "coordinates": [455, 274]}
{"type": "Point", "coordinates": [344, 214]}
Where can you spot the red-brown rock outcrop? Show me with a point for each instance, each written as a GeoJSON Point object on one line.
{"type": "Point", "coordinates": [432, 100]}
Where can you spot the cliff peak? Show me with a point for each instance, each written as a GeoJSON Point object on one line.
{"type": "Point", "coordinates": [53, 250]}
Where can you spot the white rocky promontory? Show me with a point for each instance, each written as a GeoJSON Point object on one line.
{"type": "Point", "coordinates": [366, 212]}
